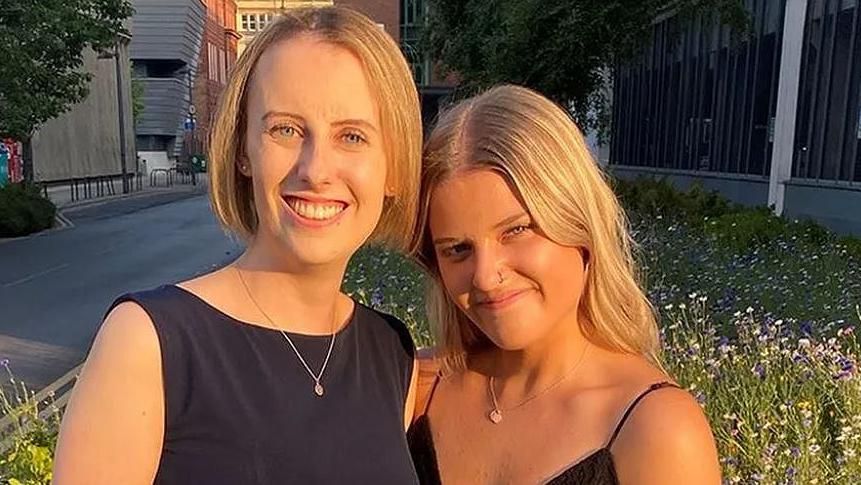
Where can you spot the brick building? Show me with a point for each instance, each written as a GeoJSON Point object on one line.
{"type": "Point", "coordinates": [218, 54]}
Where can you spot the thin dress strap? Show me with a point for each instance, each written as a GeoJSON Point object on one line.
{"type": "Point", "coordinates": [652, 388]}
{"type": "Point", "coordinates": [430, 395]}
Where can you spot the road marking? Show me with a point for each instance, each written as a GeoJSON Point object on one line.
{"type": "Point", "coordinates": [35, 275]}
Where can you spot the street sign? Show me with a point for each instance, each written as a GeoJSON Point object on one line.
{"type": "Point", "coordinates": [4, 165]}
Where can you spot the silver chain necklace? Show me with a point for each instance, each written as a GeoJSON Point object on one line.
{"type": "Point", "coordinates": [495, 414]}
{"type": "Point", "coordinates": [318, 387]}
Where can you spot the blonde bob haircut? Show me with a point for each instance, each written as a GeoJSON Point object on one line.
{"type": "Point", "coordinates": [536, 146]}
{"type": "Point", "coordinates": [391, 83]}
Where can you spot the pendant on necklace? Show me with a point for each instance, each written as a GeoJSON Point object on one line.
{"type": "Point", "coordinates": [495, 416]}
{"type": "Point", "coordinates": [318, 389]}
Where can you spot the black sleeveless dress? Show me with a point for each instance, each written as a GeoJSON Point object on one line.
{"type": "Point", "coordinates": [595, 469]}
{"type": "Point", "coordinates": [241, 409]}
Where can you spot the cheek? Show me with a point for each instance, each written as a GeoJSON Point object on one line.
{"type": "Point", "coordinates": [272, 164]}
{"type": "Point", "coordinates": [367, 177]}
{"type": "Point", "coordinates": [557, 270]}
{"type": "Point", "coordinates": [457, 281]}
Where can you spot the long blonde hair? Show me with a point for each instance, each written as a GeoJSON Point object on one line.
{"type": "Point", "coordinates": [395, 93]}
{"type": "Point", "coordinates": [534, 144]}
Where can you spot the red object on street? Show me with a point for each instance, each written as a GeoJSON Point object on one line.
{"type": "Point", "coordinates": [16, 165]}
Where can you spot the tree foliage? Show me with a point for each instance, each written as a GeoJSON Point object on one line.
{"type": "Point", "coordinates": [563, 48]}
{"type": "Point", "coordinates": [42, 45]}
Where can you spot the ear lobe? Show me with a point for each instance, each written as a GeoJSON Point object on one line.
{"type": "Point", "coordinates": [390, 192]}
{"type": "Point", "coordinates": [242, 166]}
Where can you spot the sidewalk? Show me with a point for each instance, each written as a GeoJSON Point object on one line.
{"type": "Point", "coordinates": [61, 196]}
{"type": "Point", "coordinates": [111, 206]}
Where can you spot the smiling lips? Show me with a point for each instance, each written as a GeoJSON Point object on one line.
{"type": "Point", "coordinates": [315, 210]}
{"type": "Point", "coordinates": [499, 301]}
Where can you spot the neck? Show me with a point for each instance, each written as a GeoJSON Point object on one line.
{"type": "Point", "coordinates": [284, 289]}
{"type": "Point", "coordinates": [521, 373]}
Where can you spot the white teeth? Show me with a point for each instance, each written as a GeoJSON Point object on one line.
{"type": "Point", "coordinates": [318, 212]}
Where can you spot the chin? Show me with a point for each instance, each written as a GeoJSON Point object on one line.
{"type": "Point", "coordinates": [513, 339]}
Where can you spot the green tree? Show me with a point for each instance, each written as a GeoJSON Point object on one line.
{"type": "Point", "coordinates": [563, 48]}
{"type": "Point", "coordinates": [42, 45]}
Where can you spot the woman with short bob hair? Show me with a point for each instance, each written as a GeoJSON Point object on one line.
{"type": "Point", "coordinates": [264, 371]}
{"type": "Point", "coordinates": [548, 348]}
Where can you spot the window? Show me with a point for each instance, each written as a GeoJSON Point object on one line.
{"type": "Point", "coordinates": [222, 67]}
{"type": "Point", "coordinates": [212, 61]}
{"type": "Point", "coordinates": [264, 20]}
{"type": "Point", "coordinates": [255, 22]}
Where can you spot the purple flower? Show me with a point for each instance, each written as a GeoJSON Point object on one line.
{"type": "Point", "coordinates": [759, 370]}
{"type": "Point", "coordinates": [377, 297]}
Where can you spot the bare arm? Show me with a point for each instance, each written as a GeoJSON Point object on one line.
{"type": "Point", "coordinates": [113, 428]}
{"type": "Point", "coordinates": [667, 440]}
{"type": "Point", "coordinates": [410, 406]}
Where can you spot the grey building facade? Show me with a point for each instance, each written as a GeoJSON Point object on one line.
{"type": "Point", "coordinates": [166, 41]}
{"type": "Point", "coordinates": [769, 119]}
{"type": "Point", "coordinates": [88, 141]}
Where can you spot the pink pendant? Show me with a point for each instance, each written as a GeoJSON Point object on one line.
{"type": "Point", "coordinates": [318, 389]}
{"type": "Point", "coordinates": [495, 416]}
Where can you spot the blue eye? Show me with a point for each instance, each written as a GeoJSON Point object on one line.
{"type": "Point", "coordinates": [283, 131]}
{"type": "Point", "coordinates": [518, 230]}
{"type": "Point", "coordinates": [354, 138]}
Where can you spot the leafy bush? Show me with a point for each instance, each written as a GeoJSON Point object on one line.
{"type": "Point", "coordinates": [23, 210]}
{"type": "Point", "coordinates": [740, 231]}
{"type": "Point", "coordinates": [657, 197]}
{"type": "Point", "coordinates": [27, 457]}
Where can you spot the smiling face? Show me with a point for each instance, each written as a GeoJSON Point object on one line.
{"type": "Point", "coordinates": [516, 285]}
{"type": "Point", "coordinates": [314, 151]}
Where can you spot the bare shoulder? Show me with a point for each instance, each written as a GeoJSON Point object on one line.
{"type": "Point", "coordinates": [125, 320]}
{"type": "Point", "coordinates": [428, 370]}
{"type": "Point", "coordinates": [125, 347]}
{"type": "Point", "coordinates": [429, 366]}
{"type": "Point", "coordinates": [666, 439]}
{"type": "Point", "coordinates": [113, 427]}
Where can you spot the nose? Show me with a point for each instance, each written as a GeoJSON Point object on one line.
{"type": "Point", "coordinates": [489, 263]}
{"type": "Point", "coordinates": [315, 165]}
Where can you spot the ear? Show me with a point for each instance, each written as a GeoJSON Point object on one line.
{"type": "Point", "coordinates": [390, 191]}
{"type": "Point", "coordinates": [586, 255]}
{"type": "Point", "coordinates": [243, 166]}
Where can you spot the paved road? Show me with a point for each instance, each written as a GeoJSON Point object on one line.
{"type": "Point", "coordinates": [55, 287]}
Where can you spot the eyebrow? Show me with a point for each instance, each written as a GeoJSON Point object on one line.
{"type": "Point", "coordinates": [357, 122]}
{"type": "Point", "coordinates": [281, 114]}
{"type": "Point", "coordinates": [352, 121]}
{"type": "Point", "coordinates": [504, 222]}
{"type": "Point", "coordinates": [510, 219]}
